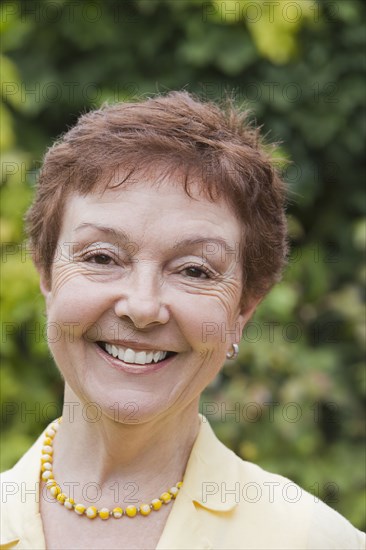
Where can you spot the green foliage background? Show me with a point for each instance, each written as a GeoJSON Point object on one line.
{"type": "Point", "coordinates": [298, 386]}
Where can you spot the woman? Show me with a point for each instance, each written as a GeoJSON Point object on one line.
{"type": "Point", "coordinates": [157, 228]}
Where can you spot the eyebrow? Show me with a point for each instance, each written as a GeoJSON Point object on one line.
{"type": "Point", "coordinates": [120, 235]}
{"type": "Point", "coordinates": [185, 243]}
{"type": "Point", "coordinates": [117, 234]}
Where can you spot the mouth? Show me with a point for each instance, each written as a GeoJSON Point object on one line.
{"type": "Point", "coordinates": [138, 358]}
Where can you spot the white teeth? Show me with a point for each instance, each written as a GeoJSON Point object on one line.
{"type": "Point", "coordinates": [156, 356]}
{"type": "Point", "coordinates": [129, 356]}
{"type": "Point", "coordinates": [137, 357]}
{"type": "Point", "coordinates": [140, 358]}
{"type": "Point", "coordinates": [121, 353]}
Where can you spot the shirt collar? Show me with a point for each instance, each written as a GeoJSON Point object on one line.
{"type": "Point", "coordinates": [212, 472]}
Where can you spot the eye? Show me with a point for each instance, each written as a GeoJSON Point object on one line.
{"type": "Point", "coordinates": [99, 258]}
{"type": "Point", "coordinates": [197, 272]}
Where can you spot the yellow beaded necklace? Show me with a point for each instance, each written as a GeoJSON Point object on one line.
{"type": "Point", "coordinates": [92, 512]}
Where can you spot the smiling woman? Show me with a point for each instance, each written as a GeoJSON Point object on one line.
{"type": "Point", "coordinates": [153, 222]}
{"type": "Point", "coordinates": [161, 294]}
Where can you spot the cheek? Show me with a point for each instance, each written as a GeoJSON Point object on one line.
{"type": "Point", "coordinates": [74, 307]}
{"type": "Point", "coordinates": [208, 323]}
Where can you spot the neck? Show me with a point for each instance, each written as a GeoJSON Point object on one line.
{"type": "Point", "coordinates": [152, 455]}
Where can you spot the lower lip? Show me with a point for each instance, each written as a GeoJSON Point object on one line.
{"type": "Point", "coordinates": [129, 367]}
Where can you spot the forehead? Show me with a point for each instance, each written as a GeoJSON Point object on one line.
{"type": "Point", "coordinates": [147, 212]}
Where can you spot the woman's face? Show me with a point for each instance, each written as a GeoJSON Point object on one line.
{"type": "Point", "coordinates": [145, 269]}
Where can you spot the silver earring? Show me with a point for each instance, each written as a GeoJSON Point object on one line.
{"type": "Point", "coordinates": [233, 354]}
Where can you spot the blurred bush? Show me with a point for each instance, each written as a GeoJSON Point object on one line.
{"type": "Point", "coordinates": [293, 400]}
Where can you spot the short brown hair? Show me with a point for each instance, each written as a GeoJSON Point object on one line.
{"type": "Point", "coordinates": [206, 144]}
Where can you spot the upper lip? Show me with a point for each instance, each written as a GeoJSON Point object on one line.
{"type": "Point", "coordinates": [135, 345]}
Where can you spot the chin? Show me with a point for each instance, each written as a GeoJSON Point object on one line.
{"type": "Point", "coordinates": [124, 406]}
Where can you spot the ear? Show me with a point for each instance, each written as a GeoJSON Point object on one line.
{"type": "Point", "coordinates": [246, 312]}
{"type": "Point", "coordinates": [44, 285]}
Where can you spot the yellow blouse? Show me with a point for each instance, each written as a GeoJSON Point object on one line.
{"type": "Point", "coordinates": [224, 504]}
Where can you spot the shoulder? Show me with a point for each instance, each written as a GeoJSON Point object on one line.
{"type": "Point", "coordinates": [10, 504]}
{"type": "Point", "coordinates": [19, 503]}
{"type": "Point", "coordinates": [265, 509]}
{"type": "Point", "coordinates": [294, 512]}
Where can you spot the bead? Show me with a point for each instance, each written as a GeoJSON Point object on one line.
{"type": "Point", "coordinates": [145, 509]}
{"type": "Point", "coordinates": [131, 511]}
{"type": "Point", "coordinates": [166, 498]}
{"type": "Point", "coordinates": [47, 475]}
{"type": "Point", "coordinates": [46, 458]}
{"type": "Point", "coordinates": [50, 432]}
{"type": "Point", "coordinates": [47, 466]}
{"type": "Point", "coordinates": [54, 426]}
{"type": "Point", "coordinates": [50, 483]}
{"type": "Point", "coordinates": [55, 490]}
{"type": "Point", "coordinates": [91, 512]}
{"type": "Point", "coordinates": [79, 509]}
{"type": "Point", "coordinates": [156, 504]}
{"type": "Point", "coordinates": [47, 449]}
{"type": "Point", "coordinates": [103, 513]}
{"type": "Point", "coordinates": [69, 503]}
{"type": "Point", "coordinates": [117, 512]}
{"type": "Point", "coordinates": [47, 441]}
{"type": "Point", "coordinates": [174, 491]}
{"type": "Point", "coordinates": [61, 497]}
{"type": "Point", "coordinates": [179, 484]}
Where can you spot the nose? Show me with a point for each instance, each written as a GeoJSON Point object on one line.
{"type": "Point", "coordinates": [141, 300]}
